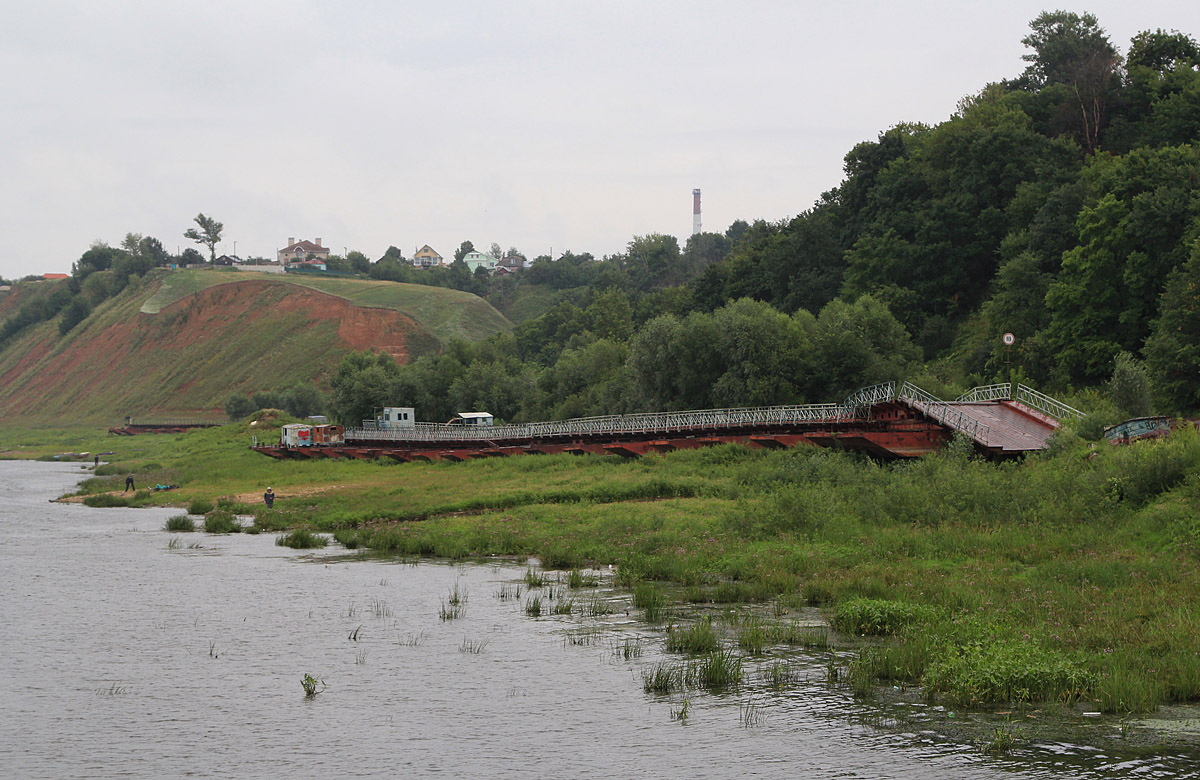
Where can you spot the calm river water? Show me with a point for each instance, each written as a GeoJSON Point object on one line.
{"type": "Point", "coordinates": [125, 655]}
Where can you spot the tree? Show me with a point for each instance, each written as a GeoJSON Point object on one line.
{"type": "Point", "coordinates": [463, 250]}
{"type": "Point", "coordinates": [209, 234]}
{"type": "Point", "coordinates": [1074, 51]}
{"type": "Point", "coordinates": [1129, 386]}
{"type": "Point", "coordinates": [1173, 349]}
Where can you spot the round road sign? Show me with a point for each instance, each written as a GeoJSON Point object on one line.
{"type": "Point", "coordinates": [1010, 339]}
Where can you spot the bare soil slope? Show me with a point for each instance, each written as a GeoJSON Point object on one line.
{"type": "Point", "coordinates": [186, 359]}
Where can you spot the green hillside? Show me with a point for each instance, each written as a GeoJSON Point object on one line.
{"type": "Point", "coordinates": [445, 313]}
{"type": "Point", "coordinates": [179, 343]}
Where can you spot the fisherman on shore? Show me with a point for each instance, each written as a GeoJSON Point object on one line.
{"type": "Point", "coordinates": [269, 498]}
{"type": "Point", "coordinates": [129, 484]}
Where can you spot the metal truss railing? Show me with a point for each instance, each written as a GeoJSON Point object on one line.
{"type": "Point", "coordinates": [955, 417]}
{"type": "Point", "coordinates": [856, 406]}
{"type": "Point", "coordinates": [1000, 392]}
{"type": "Point", "coordinates": [1026, 395]}
{"type": "Point", "coordinates": [1046, 404]}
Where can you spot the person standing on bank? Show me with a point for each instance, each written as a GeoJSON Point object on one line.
{"type": "Point", "coordinates": [129, 484]}
{"type": "Point", "coordinates": [269, 498]}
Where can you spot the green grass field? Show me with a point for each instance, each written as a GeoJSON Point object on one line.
{"type": "Point", "coordinates": [1069, 577]}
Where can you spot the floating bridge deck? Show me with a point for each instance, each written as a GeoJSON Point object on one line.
{"type": "Point", "coordinates": [888, 420]}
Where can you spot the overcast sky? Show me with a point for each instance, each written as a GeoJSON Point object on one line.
{"type": "Point", "coordinates": [540, 125]}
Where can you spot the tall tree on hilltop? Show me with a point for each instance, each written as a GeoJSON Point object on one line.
{"type": "Point", "coordinates": [209, 234]}
{"type": "Point", "coordinates": [1072, 54]}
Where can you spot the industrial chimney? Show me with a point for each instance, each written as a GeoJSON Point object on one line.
{"type": "Point", "coordinates": [695, 211]}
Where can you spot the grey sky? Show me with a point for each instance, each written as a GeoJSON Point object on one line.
{"type": "Point", "coordinates": [531, 124]}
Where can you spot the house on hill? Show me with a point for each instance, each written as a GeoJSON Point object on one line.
{"type": "Point", "coordinates": [425, 257]}
{"type": "Point", "coordinates": [296, 251]}
{"type": "Point", "coordinates": [510, 264]}
{"type": "Point", "coordinates": [477, 259]}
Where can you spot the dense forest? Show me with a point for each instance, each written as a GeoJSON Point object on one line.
{"type": "Point", "coordinates": [1062, 205]}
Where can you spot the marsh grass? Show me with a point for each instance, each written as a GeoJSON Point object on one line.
{"type": "Point", "coordinates": [380, 608]}
{"type": "Point", "coordinates": [473, 646]}
{"type": "Point", "coordinates": [681, 712]}
{"type": "Point", "coordinates": [716, 670]}
{"type": "Point", "coordinates": [301, 539]}
{"type": "Point", "coordinates": [584, 636]}
{"type": "Point", "coordinates": [580, 579]}
{"type": "Point", "coordinates": [411, 639]}
{"type": "Point", "coordinates": [218, 521]}
{"type": "Point", "coordinates": [752, 713]}
{"type": "Point", "coordinates": [533, 606]}
{"type": "Point", "coordinates": [509, 592]}
{"type": "Point", "coordinates": [534, 579]}
{"type": "Point", "coordinates": [1001, 741]}
{"type": "Point", "coordinates": [698, 637]}
{"type": "Point", "coordinates": [179, 524]}
{"type": "Point", "coordinates": [878, 617]}
{"type": "Point", "coordinates": [449, 611]}
{"type": "Point", "coordinates": [360, 656]}
{"type": "Point", "coordinates": [596, 607]}
{"type": "Point", "coordinates": [200, 506]}
{"type": "Point", "coordinates": [663, 678]}
{"type": "Point", "coordinates": [652, 600]}
{"type": "Point", "coordinates": [562, 607]}
{"type": "Point", "coordinates": [779, 674]}
{"type": "Point", "coordinates": [753, 636]}
{"type": "Point", "coordinates": [628, 648]}
{"type": "Point", "coordinates": [458, 596]}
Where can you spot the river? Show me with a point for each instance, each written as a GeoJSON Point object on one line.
{"type": "Point", "coordinates": [132, 652]}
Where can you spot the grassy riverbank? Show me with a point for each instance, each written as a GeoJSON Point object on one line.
{"type": "Point", "coordinates": [1067, 577]}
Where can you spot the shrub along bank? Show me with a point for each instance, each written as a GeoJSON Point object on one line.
{"type": "Point", "coordinates": [1070, 576]}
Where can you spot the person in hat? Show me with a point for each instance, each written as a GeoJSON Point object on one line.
{"type": "Point", "coordinates": [269, 498]}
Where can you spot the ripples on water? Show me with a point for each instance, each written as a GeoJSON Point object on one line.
{"type": "Point", "coordinates": [125, 658]}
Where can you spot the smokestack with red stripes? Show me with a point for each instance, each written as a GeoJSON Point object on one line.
{"type": "Point", "coordinates": [695, 211]}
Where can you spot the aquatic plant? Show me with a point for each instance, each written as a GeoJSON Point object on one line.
{"type": "Point", "coordinates": [200, 506]}
{"type": "Point", "coordinates": [509, 592]}
{"type": "Point", "coordinates": [578, 579]}
{"type": "Point", "coordinates": [310, 683]}
{"type": "Point", "coordinates": [751, 713]}
{"type": "Point", "coordinates": [360, 656]}
{"type": "Point", "coordinates": [533, 606]}
{"type": "Point", "coordinates": [680, 713]}
{"type": "Point", "coordinates": [218, 521]}
{"type": "Point", "coordinates": [753, 636]}
{"type": "Point", "coordinates": [780, 674]}
{"type": "Point", "coordinates": [534, 579]}
{"type": "Point", "coordinates": [301, 539]}
{"type": "Point", "coordinates": [563, 607]}
{"type": "Point", "coordinates": [458, 596]}
{"type": "Point", "coordinates": [663, 677]}
{"type": "Point", "coordinates": [179, 523]}
{"type": "Point", "coordinates": [473, 646]}
{"type": "Point", "coordinates": [651, 600]}
{"type": "Point", "coordinates": [105, 500]}
{"type": "Point", "coordinates": [380, 608]}
{"type": "Point", "coordinates": [1001, 741]}
{"type": "Point", "coordinates": [717, 669]}
{"type": "Point", "coordinates": [877, 617]}
{"type": "Point", "coordinates": [595, 607]}
{"type": "Point", "coordinates": [699, 637]}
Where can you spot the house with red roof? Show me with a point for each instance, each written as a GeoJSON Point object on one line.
{"type": "Point", "coordinates": [297, 251]}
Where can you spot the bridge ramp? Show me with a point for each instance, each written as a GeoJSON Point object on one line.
{"type": "Point", "coordinates": [1011, 426]}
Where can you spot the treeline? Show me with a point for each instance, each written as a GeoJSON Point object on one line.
{"type": "Point", "coordinates": [596, 360]}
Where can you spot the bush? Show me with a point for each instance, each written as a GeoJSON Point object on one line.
{"type": "Point", "coordinates": [179, 523]}
{"type": "Point", "coordinates": [218, 521]}
{"type": "Point", "coordinates": [200, 506]}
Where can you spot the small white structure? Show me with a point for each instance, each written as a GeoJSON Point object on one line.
{"type": "Point", "coordinates": [479, 419]}
{"type": "Point", "coordinates": [396, 417]}
{"type": "Point", "coordinates": [296, 435]}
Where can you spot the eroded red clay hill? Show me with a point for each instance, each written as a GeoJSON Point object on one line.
{"type": "Point", "coordinates": [143, 363]}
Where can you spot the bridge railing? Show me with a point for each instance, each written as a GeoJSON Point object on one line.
{"type": "Point", "coordinates": [1000, 392]}
{"type": "Point", "coordinates": [651, 422]}
{"type": "Point", "coordinates": [1046, 404]}
{"type": "Point", "coordinates": [951, 416]}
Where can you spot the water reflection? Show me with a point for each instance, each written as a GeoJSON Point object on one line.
{"type": "Point", "coordinates": [130, 656]}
